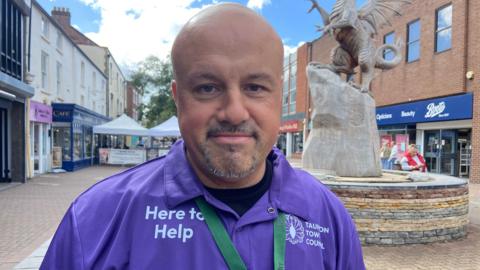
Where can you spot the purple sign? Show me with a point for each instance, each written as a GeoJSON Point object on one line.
{"type": "Point", "coordinates": [40, 112]}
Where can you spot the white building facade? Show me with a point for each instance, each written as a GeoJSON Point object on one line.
{"type": "Point", "coordinates": [62, 73]}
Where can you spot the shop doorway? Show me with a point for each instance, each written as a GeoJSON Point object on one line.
{"type": "Point", "coordinates": [39, 147]}
{"type": "Point", "coordinates": [445, 151]}
{"type": "Point", "coordinates": [4, 162]}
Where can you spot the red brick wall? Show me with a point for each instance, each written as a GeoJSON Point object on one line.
{"type": "Point", "coordinates": [302, 87]}
{"type": "Point", "coordinates": [434, 74]}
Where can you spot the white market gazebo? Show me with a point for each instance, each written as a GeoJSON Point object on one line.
{"type": "Point", "coordinates": [123, 125]}
{"type": "Point", "coordinates": [166, 129]}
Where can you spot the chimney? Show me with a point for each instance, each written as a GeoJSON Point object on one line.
{"type": "Point", "coordinates": [61, 15]}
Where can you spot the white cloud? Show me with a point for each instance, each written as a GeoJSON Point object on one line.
{"type": "Point", "coordinates": [133, 29]}
{"type": "Point", "coordinates": [291, 49]}
{"type": "Point", "coordinates": [257, 4]}
{"type": "Point", "coordinates": [76, 27]}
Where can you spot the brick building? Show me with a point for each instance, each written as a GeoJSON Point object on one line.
{"type": "Point", "coordinates": [432, 98]}
{"type": "Point", "coordinates": [134, 100]}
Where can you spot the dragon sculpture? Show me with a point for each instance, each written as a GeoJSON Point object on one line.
{"type": "Point", "coordinates": [355, 31]}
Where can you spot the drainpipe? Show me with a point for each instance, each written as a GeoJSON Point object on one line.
{"type": "Point", "coordinates": [465, 45]}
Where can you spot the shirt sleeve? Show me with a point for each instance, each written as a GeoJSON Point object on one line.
{"type": "Point", "coordinates": [350, 256]}
{"type": "Point", "coordinates": [65, 251]}
{"type": "Point", "coordinates": [405, 166]}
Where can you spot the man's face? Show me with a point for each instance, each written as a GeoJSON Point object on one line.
{"type": "Point", "coordinates": [228, 96]}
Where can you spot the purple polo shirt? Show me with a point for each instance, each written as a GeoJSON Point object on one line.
{"type": "Point", "coordinates": [146, 218]}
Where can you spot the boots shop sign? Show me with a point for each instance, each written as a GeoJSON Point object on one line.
{"type": "Point", "coordinates": [439, 109]}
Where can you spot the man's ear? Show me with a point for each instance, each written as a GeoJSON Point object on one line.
{"type": "Point", "coordinates": [174, 92]}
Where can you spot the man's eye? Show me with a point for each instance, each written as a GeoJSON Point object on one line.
{"type": "Point", "coordinates": [207, 89]}
{"type": "Point", "coordinates": [254, 88]}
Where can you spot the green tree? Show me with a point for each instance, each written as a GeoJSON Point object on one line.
{"type": "Point", "coordinates": [153, 77]}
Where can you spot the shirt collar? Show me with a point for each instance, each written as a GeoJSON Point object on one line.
{"type": "Point", "coordinates": [182, 184]}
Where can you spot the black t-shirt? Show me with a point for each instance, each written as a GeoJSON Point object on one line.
{"type": "Point", "coordinates": [242, 199]}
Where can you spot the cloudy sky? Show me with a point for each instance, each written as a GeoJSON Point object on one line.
{"type": "Point", "coordinates": [134, 29]}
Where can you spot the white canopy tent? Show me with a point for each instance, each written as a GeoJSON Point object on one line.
{"type": "Point", "coordinates": [123, 125]}
{"type": "Point", "coordinates": [167, 128]}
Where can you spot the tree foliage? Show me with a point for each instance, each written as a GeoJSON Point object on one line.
{"type": "Point", "coordinates": [153, 78]}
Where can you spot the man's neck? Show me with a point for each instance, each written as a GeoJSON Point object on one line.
{"type": "Point", "coordinates": [213, 181]}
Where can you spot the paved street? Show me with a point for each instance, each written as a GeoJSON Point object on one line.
{"type": "Point", "coordinates": [31, 212]}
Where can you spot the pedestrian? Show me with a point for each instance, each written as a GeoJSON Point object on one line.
{"type": "Point", "coordinates": [222, 198]}
{"type": "Point", "coordinates": [392, 160]}
{"type": "Point", "coordinates": [385, 152]}
{"type": "Point", "coordinates": [412, 160]}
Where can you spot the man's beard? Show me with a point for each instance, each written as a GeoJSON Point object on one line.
{"type": "Point", "coordinates": [231, 162]}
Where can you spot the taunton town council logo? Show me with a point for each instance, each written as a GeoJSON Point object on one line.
{"type": "Point", "coordinates": [295, 231]}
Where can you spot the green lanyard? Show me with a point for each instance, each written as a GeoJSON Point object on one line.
{"type": "Point", "coordinates": [229, 252]}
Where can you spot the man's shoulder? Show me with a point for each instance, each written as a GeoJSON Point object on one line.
{"type": "Point", "coordinates": [312, 195]}
{"type": "Point", "coordinates": [314, 188]}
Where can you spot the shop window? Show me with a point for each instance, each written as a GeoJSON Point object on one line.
{"type": "Point", "coordinates": [413, 41]}
{"type": "Point", "coordinates": [297, 142]}
{"type": "Point", "coordinates": [61, 138]}
{"type": "Point", "coordinates": [88, 142]}
{"type": "Point", "coordinates": [77, 145]}
{"type": "Point", "coordinates": [443, 29]}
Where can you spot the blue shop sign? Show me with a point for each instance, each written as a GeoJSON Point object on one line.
{"type": "Point", "coordinates": [438, 109]}
{"type": "Point", "coordinates": [62, 115]}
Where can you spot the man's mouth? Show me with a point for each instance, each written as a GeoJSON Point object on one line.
{"type": "Point", "coordinates": [231, 138]}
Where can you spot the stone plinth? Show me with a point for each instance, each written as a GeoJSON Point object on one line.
{"type": "Point", "coordinates": [406, 213]}
{"type": "Point", "coordinates": [344, 136]}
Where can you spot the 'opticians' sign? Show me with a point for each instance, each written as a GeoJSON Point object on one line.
{"type": "Point", "coordinates": [439, 109]}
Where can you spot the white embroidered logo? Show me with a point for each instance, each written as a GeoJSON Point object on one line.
{"type": "Point", "coordinates": [295, 231]}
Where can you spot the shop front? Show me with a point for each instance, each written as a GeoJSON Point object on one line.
{"type": "Point", "coordinates": [440, 127]}
{"type": "Point", "coordinates": [290, 139]}
{"type": "Point", "coordinates": [14, 96]}
{"type": "Point", "coordinates": [72, 130]}
{"type": "Point", "coordinates": [40, 138]}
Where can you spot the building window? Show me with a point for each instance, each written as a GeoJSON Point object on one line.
{"type": "Point", "coordinates": [11, 39]}
{"type": "Point", "coordinates": [293, 84]}
{"type": "Point", "coordinates": [94, 82]}
{"type": "Point", "coordinates": [44, 63]}
{"type": "Point", "coordinates": [59, 78]}
{"type": "Point", "coordinates": [45, 27]}
{"type": "Point", "coordinates": [59, 40]}
{"type": "Point", "coordinates": [389, 39]}
{"type": "Point", "coordinates": [443, 29]}
{"type": "Point", "coordinates": [413, 41]}
{"type": "Point", "coordinates": [82, 74]}
{"type": "Point", "coordinates": [285, 92]}
{"type": "Point", "coordinates": [82, 100]}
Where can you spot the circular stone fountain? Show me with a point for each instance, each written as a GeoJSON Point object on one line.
{"type": "Point", "coordinates": [395, 209]}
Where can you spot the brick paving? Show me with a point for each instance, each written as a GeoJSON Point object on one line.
{"type": "Point", "coordinates": [31, 213]}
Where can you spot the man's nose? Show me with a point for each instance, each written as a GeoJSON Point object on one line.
{"type": "Point", "coordinates": [234, 107]}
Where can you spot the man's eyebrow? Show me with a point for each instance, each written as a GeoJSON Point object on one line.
{"type": "Point", "coordinates": [203, 75]}
{"type": "Point", "coordinates": [260, 76]}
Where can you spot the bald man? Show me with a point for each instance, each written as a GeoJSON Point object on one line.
{"type": "Point", "coordinates": [222, 198]}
